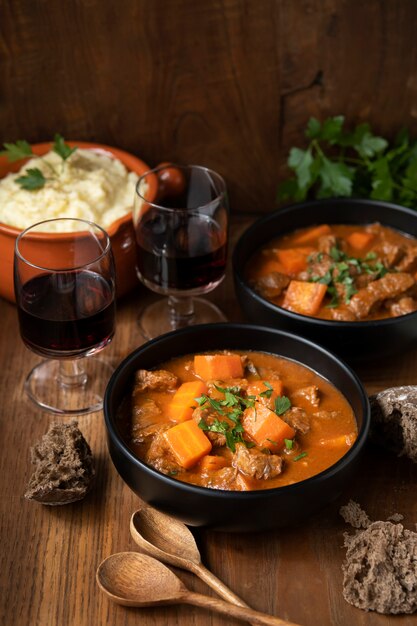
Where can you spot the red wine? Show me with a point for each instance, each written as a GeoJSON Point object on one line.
{"type": "Point", "coordinates": [180, 256]}
{"type": "Point", "coordinates": [182, 273]}
{"type": "Point", "coordinates": [66, 313]}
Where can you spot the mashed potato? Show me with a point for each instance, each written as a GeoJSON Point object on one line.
{"type": "Point", "coordinates": [88, 185]}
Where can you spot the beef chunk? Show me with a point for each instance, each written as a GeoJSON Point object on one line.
{"type": "Point", "coordinates": [154, 380]}
{"type": "Point", "coordinates": [389, 286]}
{"type": "Point", "coordinates": [327, 242]}
{"type": "Point", "coordinates": [256, 464]}
{"type": "Point", "coordinates": [404, 305]}
{"type": "Point", "coordinates": [271, 285]}
{"type": "Point", "coordinates": [310, 393]}
{"type": "Point", "coordinates": [64, 467]}
{"type": "Point", "coordinates": [159, 454]}
{"type": "Point", "coordinates": [240, 384]}
{"type": "Point", "coordinates": [379, 572]}
{"type": "Point", "coordinates": [342, 314]}
{"type": "Point", "coordinates": [389, 253]}
{"type": "Point", "coordinates": [408, 263]}
{"type": "Point", "coordinates": [394, 420]}
{"type": "Point", "coordinates": [297, 418]}
{"type": "Point", "coordinates": [222, 479]}
{"type": "Point", "coordinates": [144, 422]}
{"type": "Point", "coordinates": [319, 264]}
{"type": "Point", "coordinates": [209, 417]}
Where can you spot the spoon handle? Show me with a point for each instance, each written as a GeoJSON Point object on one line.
{"type": "Point", "coordinates": [240, 612]}
{"type": "Point", "coordinates": [216, 584]}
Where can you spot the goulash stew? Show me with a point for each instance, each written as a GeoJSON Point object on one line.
{"type": "Point", "coordinates": [237, 421]}
{"type": "Point", "coordinates": [339, 272]}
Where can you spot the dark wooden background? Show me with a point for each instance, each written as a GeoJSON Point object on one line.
{"type": "Point", "coordinates": [225, 83]}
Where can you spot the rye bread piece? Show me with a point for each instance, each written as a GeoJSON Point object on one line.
{"type": "Point", "coordinates": [394, 420]}
{"type": "Point", "coordinates": [380, 570]}
{"type": "Point", "coordinates": [64, 466]}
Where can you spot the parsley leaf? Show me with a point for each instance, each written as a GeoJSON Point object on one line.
{"type": "Point", "coordinates": [16, 151]}
{"type": "Point", "coordinates": [282, 404]}
{"type": "Point", "coordinates": [289, 443]}
{"type": "Point", "coordinates": [32, 179]}
{"type": "Point", "coordinates": [300, 456]}
{"type": "Point", "coordinates": [61, 148]}
{"type": "Point", "coordinates": [352, 163]}
{"type": "Point", "coordinates": [268, 391]}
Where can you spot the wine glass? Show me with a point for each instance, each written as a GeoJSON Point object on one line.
{"type": "Point", "coordinates": [65, 296]}
{"type": "Point", "coordinates": [181, 237]}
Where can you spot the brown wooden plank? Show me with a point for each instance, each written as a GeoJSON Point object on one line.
{"type": "Point", "coordinates": [229, 84]}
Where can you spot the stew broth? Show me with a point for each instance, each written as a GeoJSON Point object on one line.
{"type": "Point", "coordinates": [313, 424]}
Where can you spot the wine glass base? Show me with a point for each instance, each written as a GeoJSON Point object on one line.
{"type": "Point", "coordinates": [45, 390]}
{"type": "Point", "coordinates": [156, 318]}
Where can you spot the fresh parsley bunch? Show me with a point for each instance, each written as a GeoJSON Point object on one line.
{"type": "Point", "coordinates": [357, 163]}
{"type": "Point", "coordinates": [34, 178]}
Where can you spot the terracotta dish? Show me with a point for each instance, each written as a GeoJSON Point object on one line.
{"type": "Point", "coordinates": [121, 231]}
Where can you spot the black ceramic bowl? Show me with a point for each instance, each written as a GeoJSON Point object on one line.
{"type": "Point", "coordinates": [231, 510]}
{"type": "Point", "coordinates": [352, 340]}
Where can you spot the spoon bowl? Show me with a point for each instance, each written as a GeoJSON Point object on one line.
{"type": "Point", "coordinates": [138, 580]}
{"type": "Point", "coordinates": [171, 541]}
{"type": "Point", "coordinates": [134, 579]}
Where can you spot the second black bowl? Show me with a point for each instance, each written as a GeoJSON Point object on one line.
{"type": "Point", "coordinates": [233, 510]}
{"type": "Point", "coordinates": [353, 340]}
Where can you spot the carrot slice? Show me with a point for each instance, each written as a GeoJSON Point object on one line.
{"type": "Point", "coordinates": [182, 404]}
{"type": "Point", "coordinates": [312, 234]}
{"type": "Point", "coordinates": [294, 260]}
{"type": "Point", "coordinates": [187, 443]}
{"type": "Point", "coordinates": [303, 297]}
{"type": "Point", "coordinates": [218, 366]}
{"type": "Point", "coordinates": [265, 427]}
{"type": "Point", "coordinates": [259, 387]}
{"type": "Point", "coordinates": [211, 463]}
{"type": "Point", "coordinates": [360, 240]}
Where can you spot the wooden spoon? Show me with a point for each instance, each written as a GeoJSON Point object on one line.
{"type": "Point", "coordinates": [170, 541]}
{"type": "Point", "coordinates": [134, 579]}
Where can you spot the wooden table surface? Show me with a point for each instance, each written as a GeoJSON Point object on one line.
{"type": "Point", "coordinates": [48, 556]}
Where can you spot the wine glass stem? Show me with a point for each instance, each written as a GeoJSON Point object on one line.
{"type": "Point", "coordinates": [71, 373]}
{"type": "Point", "coordinates": [181, 311]}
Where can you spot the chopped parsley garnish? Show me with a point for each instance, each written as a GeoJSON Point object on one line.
{"type": "Point", "coordinates": [289, 443]}
{"type": "Point", "coordinates": [300, 456]}
{"type": "Point", "coordinates": [268, 391]}
{"type": "Point", "coordinates": [339, 273]}
{"type": "Point", "coordinates": [231, 408]}
{"type": "Point", "coordinates": [282, 404]}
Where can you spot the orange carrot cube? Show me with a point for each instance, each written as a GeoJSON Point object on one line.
{"type": "Point", "coordinates": [182, 404]}
{"type": "Point", "coordinates": [294, 260]}
{"type": "Point", "coordinates": [218, 366]}
{"type": "Point", "coordinates": [187, 443]}
{"type": "Point", "coordinates": [360, 240]}
{"type": "Point", "coordinates": [312, 234]}
{"type": "Point", "coordinates": [212, 463]}
{"type": "Point", "coordinates": [303, 297]}
{"type": "Point", "coordinates": [265, 428]}
{"type": "Point", "coordinates": [258, 387]}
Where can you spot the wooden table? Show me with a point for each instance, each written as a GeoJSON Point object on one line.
{"type": "Point", "coordinates": [48, 556]}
